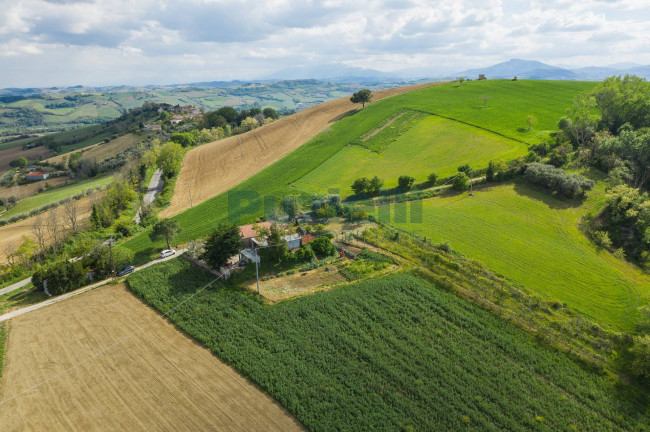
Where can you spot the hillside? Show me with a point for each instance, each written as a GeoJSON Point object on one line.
{"type": "Point", "coordinates": [214, 168]}
{"type": "Point", "coordinates": [306, 171]}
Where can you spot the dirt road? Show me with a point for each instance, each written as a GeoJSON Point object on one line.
{"type": "Point", "coordinates": [216, 167]}
{"type": "Point", "coordinates": [155, 186]}
{"type": "Point", "coordinates": [153, 379]}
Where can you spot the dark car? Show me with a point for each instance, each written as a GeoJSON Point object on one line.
{"type": "Point", "coordinates": [126, 270]}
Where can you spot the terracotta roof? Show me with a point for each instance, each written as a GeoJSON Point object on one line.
{"type": "Point", "coordinates": [246, 231]}
{"type": "Point", "coordinates": [308, 238]}
{"type": "Point", "coordinates": [35, 173]}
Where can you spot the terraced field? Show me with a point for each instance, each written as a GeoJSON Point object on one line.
{"type": "Point", "coordinates": [533, 239]}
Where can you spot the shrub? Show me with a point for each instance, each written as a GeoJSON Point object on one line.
{"type": "Point", "coordinates": [322, 246]}
{"type": "Point", "coordinates": [405, 182]}
{"type": "Point", "coordinates": [461, 181]}
{"type": "Point", "coordinates": [432, 178]}
{"type": "Point", "coordinates": [601, 239]}
{"type": "Point", "coordinates": [555, 179]}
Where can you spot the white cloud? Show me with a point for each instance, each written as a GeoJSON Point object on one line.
{"type": "Point", "coordinates": [163, 41]}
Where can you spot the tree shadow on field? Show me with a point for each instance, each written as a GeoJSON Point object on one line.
{"type": "Point", "coordinates": [144, 256]}
{"type": "Point", "coordinates": [551, 200]}
{"type": "Point", "coordinates": [344, 115]}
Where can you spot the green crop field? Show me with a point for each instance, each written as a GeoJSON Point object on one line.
{"type": "Point", "coordinates": [551, 97]}
{"type": "Point", "coordinates": [434, 144]}
{"type": "Point", "coordinates": [54, 195]}
{"type": "Point", "coordinates": [395, 353]}
{"type": "Point", "coordinates": [533, 239]}
{"type": "Point", "coordinates": [510, 102]}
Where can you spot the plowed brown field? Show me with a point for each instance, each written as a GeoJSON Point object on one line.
{"type": "Point", "coordinates": [218, 166]}
{"type": "Point", "coordinates": [8, 155]}
{"type": "Point", "coordinates": [156, 380]}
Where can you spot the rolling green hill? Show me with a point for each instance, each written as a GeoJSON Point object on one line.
{"type": "Point", "coordinates": [533, 239]}
{"type": "Point", "coordinates": [528, 236]}
{"type": "Point", "coordinates": [434, 144]}
{"type": "Point", "coordinates": [395, 353]}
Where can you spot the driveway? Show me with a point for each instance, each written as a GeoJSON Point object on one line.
{"type": "Point", "coordinates": [155, 186]}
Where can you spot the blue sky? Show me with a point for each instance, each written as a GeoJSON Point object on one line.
{"type": "Point", "coordinates": [70, 42]}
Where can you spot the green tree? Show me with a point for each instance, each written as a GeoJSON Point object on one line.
{"type": "Point", "coordinates": [249, 123]}
{"type": "Point", "coordinates": [19, 163]}
{"type": "Point", "coordinates": [277, 246]}
{"type": "Point", "coordinates": [405, 182]}
{"type": "Point", "coordinates": [464, 168]}
{"type": "Point", "coordinates": [322, 246]}
{"type": "Point", "coordinates": [432, 178]}
{"type": "Point", "coordinates": [531, 120]}
{"type": "Point", "coordinates": [361, 186]}
{"type": "Point", "coordinates": [375, 185]}
{"type": "Point", "coordinates": [167, 228]}
{"type": "Point", "coordinates": [490, 174]}
{"type": "Point", "coordinates": [270, 113]}
{"type": "Point", "coordinates": [362, 96]}
{"type": "Point", "coordinates": [461, 181]}
{"type": "Point", "coordinates": [290, 206]}
{"type": "Point", "coordinates": [485, 99]}
{"type": "Point", "coordinates": [185, 139]}
{"type": "Point", "coordinates": [623, 100]}
{"type": "Point", "coordinates": [222, 243]}
{"type": "Point", "coordinates": [169, 158]}
{"type": "Point", "coordinates": [641, 357]}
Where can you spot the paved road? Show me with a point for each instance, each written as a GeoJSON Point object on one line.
{"type": "Point", "coordinates": [82, 290]}
{"type": "Point", "coordinates": [14, 287]}
{"type": "Point", "coordinates": [155, 186]}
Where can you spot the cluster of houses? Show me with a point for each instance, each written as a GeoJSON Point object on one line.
{"type": "Point", "coordinates": [251, 243]}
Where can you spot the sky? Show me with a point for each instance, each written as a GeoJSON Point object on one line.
{"type": "Point", "coordinates": [112, 42]}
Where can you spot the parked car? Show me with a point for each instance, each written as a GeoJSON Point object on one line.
{"type": "Point", "coordinates": [126, 270]}
{"type": "Point", "coordinates": [167, 252]}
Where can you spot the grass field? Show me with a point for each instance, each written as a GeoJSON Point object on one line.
{"type": "Point", "coordinates": [551, 97]}
{"type": "Point", "coordinates": [3, 340]}
{"type": "Point", "coordinates": [53, 195]}
{"type": "Point", "coordinates": [394, 353]}
{"type": "Point", "coordinates": [434, 144]}
{"type": "Point", "coordinates": [533, 239]}
{"type": "Point", "coordinates": [506, 111]}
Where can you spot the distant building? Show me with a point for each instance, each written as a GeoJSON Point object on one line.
{"type": "Point", "coordinates": [153, 127]}
{"type": "Point", "coordinates": [36, 176]}
{"type": "Point", "coordinates": [481, 76]}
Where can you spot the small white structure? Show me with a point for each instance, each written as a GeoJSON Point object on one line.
{"type": "Point", "coordinates": [294, 241]}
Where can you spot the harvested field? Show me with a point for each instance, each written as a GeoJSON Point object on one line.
{"type": "Point", "coordinates": [11, 235]}
{"type": "Point", "coordinates": [8, 155]}
{"type": "Point", "coordinates": [156, 379]}
{"type": "Point", "coordinates": [218, 166]}
{"type": "Point", "coordinates": [30, 189]}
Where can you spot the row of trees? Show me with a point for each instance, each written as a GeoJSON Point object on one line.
{"type": "Point", "coordinates": [556, 180]}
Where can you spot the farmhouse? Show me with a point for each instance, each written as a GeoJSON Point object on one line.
{"type": "Point", "coordinates": [153, 127]}
{"type": "Point", "coordinates": [36, 176]}
{"type": "Point", "coordinates": [481, 77]}
{"type": "Point", "coordinates": [248, 234]}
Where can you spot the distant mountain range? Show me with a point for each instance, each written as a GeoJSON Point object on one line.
{"type": "Point", "coordinates": [525, 69]}
{"type": "Point", "coordinates": [342, 74]}
{"type": "Point", "coordinates": [530, 69]}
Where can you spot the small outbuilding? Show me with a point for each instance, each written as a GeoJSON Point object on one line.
{"type": "Point", "coordinates": [248, 233]}
{"type": "Point", "coordinates": [481, 77]}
